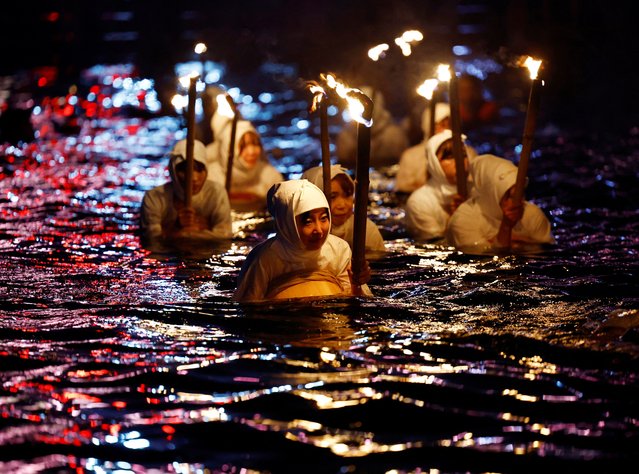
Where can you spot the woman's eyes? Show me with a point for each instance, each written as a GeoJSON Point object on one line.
{"type": "Point", "coordinates": [309, 221]}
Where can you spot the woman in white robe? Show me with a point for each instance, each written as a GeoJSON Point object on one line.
{"type": "Point", "coordinates": [164, 218]}
{"type": "Point", "coordinates": [429, 207]}
{"type": "Point", "coordinates": [252, 174]}
{"type": "Point", "coordinates": [342, 196]}
{"type": "Point", "coordinates": [274, 267]}
{"type": "Point", "coordinates": [411, 173]}
{"type": "Point", "coordinates": [491, 218]}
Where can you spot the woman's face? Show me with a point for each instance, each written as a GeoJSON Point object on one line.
{"type": "Point", "coordinates": [313, 228]}
{"type": "Point", "coordinates": [447, 161]}
{"type": "Point", "coordinates": [251, 154]}
{"type": "Point", "coordinates": [199, 176]}
{"type": "Point", "coordinates": [341, 204]}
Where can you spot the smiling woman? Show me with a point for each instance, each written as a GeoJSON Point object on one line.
{"type": "Point", "coordinates": [302, 250]}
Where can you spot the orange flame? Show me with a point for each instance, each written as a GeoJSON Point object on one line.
{"type": "Point", "coordinates": [443, 72]}
{"type": "Point", "coordinates": [185, 81]}
{"type": "Point", "coordinates": [378, 51]}
{"type": "Point", "coordinates": [318, 95]}
{"type": "Point", "coordinates": [427, 88]}
{"type": "Point", "coordinates": [533, 66]}
{"type": "Point", "coordinates": [407, 38]}
{"type": "Point", "coordinates": [223, 106]}
{"type": "Point", "coordinates": [352, 97]}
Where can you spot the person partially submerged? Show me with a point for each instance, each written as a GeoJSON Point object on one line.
{"type": "Point", "coordinates": [429, 207]}
{"type": "Point", "coordinates": [166, 219]}
{"type": "Point", "coordinates": [492, 219]}
{"type": "Point", "coordinates": [303, 259]}
{"type": "Point", "coordinates": [342, 198]}
{"type": "Point", "coordinates": [252, 174]}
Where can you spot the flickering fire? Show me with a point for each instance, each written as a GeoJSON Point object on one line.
{"type": "Point", "coordinates": [443, 72]}
{"type": "Point", "coordinates": [318, 95]}
{"type": "Point", "coordinates": [427, 88]}
{"type": "Point", "coordinates": [533, 66]}
{"type": "Point", "coordinates": [351, 96]}
{"type": "Point", "coordinates": [223, 106]}
{"type": "Point", "coordinates": [408, 37]}
{"type": "Point", "coordinates": [378, 51]}
{"type": "Point", "coordinates": [185, 81]}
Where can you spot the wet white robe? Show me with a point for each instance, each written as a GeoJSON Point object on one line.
{"type": "Point", "coordinates": [476, 222]}
{"type": "Point", "coordinates": [284, 255]}
{"type": "Point", "coordinates": [244, 180]}
{"type": "Point", "coordinates": [158, 204]}
{"type": "Point", "coordinates": [411, 173]}
{"type": "Point", "coordinates": [426, 214]}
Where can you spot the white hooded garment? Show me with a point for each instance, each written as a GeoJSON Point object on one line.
{"type": "Point", "coordinates": [256, 180]}
{"type": "Point", "coordinates": [283, 256]}
{"type": "Point", "coordinates": [426, 215]}
{"type": "Point", "coordinates": [411, 173]}
{"type": "Point", "coordinates": [476, 222]}
{"type": "Point", "coordinates": [158, 204]}
{"type": "Point", "coordinates": [374, 239]}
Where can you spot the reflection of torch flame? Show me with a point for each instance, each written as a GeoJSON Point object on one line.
{"type": "Point", "coordinates": [427, 88]}
{"type": "Point", "coordinates": [533, 66]}
{"type": "Point", "coordinates": [377, 51]}
{"type": "Point", "coordinates": [407, 38]}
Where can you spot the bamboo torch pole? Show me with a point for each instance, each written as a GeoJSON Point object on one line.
{"type": "Point", "coordinates": [432, 103]}
{"type": "Point", "coordinates": [529, 132]}
{"type": "Point", "coordinates": [362, 182]}
{"type": "Point", "coordinates": [527, 139]}
{"type": "Point", "coordinates": [231, 154]}
{"type": "Point", "coordinates": [458, 146]}
{"type": "Point", "coordinates": [320, 101]}
{"type": "Point", "coordinates": [190, 137]}
{"type": "Point", "coordinates": [326, 154]}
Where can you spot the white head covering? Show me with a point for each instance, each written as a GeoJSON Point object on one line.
{"type": "Point", "coordinates": [241, 172]}
{"type": "Point", "coordinates": [316, 175]}
{"type": "Point", "coordinates": [177, 156]}
{"type": "Point", "coordinates": [285, 201]}
{"type": "Point", "coordinates": [442, 110]}
{"type": "Point", "coordinates": [493, 176]}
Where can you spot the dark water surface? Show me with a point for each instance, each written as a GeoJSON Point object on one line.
{"type": "Point", "coordinates": [113, 359]}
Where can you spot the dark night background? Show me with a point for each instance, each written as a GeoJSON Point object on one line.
{"type": "Point", "coordinates": [590, 48]}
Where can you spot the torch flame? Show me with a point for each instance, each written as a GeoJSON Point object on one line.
{"type": "Point", "coordinates": [223, 106]}
{"type": "Point", "coordinates": [318, 95]}
{"type": "Point", "coordinates": [200, 48]}
{"type": "Point", "coordinates": [378, 51]}
{"type": "Point", "coordinates": [179, 102]}
{"type": "Point", "coordinates": [353, 97]}
{"type": "Point", "coordinates": [427, 88]}
{"type": "Point", "coordinates": [533, 66]}
{"type": "Point", "coordinates": [185, 81]}
{"type": "Point", "coordinates": [443, 72]}
{"type": "Point", "coordinates": [407, 38]}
